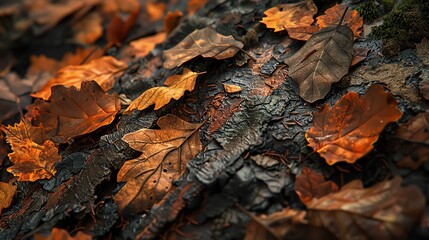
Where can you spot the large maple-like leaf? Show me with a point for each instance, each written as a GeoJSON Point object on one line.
{"type": "Point", "coordinates": [7, 190]}
{"type": "Point", "coordinates": [70, 113]}
{"type": "Point", "coordinates": [161, 96]}
{"type": "Point", "coordinates": [290, 15]}
{"type": "Point", "coordinates": [165, 153]}
{"type": "Point", "coordinates": [61, 234]}
{"type": "Point", "coordinates": [348, 130]}
{"type": "Point", "coordinates": [333, 15]}
{"type": "Point", "coordinates": [384, 211]}
{"type": "Point", "coordinates": [323, 60]}
{"type": "Point", "coordinates": [205, 42]}
{"type": "Point", "coordinates": [310, 184]}
{"type": "Point", "coordinates": [103, 70]}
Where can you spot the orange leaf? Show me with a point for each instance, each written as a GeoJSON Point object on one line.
{"type": "Point", "coordinates": [141, 47]}
{"type": "Point", "coordinates": [333, 16]}
{"type": "Point", "coordinates": [161, 96]}
{"type": "Point", "coordinates": [384, 211]}
{"type": "Point", "coordinates": [7, 190]}
{"type": "Point", "coordinates": [118, 29]}
{"type": "Point", "coordinates": [291, 15]}
{"type": "Point", "coordinates": [111, 7]}
{"type": "Point", "coordinates": [348, 130]}
{"type": "Point", "coordinates": [89, 29]}
{"type": "Point", "coordinates": [302, 33]}
{"type": "Point", "coordinates": [71, 113]}
{"type": "Point", "coordinates": [194, 5]}
{"type": "Point", "coordinates": [20, 132]}
{"type": "Point", "coordinates": [172, 20]}
{"type": "Point", "coordinates": [165, 152]}
{"type": "Point", "coordinates": [61, 234]}
{"type": "Point", "coordinates": [103, 70]}
{"type": "Point", "coordinates": [229, 88]}
{"type": "Point", "coordinates": [155, 10]}
{"type": "Point", "coordinates": [310, 184]}
{"type": "Point", "coordinates": [205, 42]}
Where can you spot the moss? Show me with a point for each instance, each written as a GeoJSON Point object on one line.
{"type": "Point", "coordinates": [404, 26]}
{"type": "Point", "coordinates": [369, 10]}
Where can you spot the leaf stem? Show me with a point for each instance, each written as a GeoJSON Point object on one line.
{"type": "Point", "coordinates": [342, 17]}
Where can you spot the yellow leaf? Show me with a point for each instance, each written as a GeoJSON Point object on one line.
{"type": "Point", "coordinates": [229, 88]}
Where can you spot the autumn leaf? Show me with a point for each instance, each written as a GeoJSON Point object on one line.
{"type": "Point", "coordinates": [143, 46]}
{"type": "Point", "coordinates": [14, 94]}
{"type": "Point", "coordinates": [172, 20]}
{"type": "Point", "coordinates": [7, 190]}
{"type": "Point", "coordinates": [229, 88]}
{"type": "Point", "coordinates": [88, 29]}
{"type": "Point", "coordinates": [205, 42]}
{"type": "Point", "coordinates": [311, 184]}
{"type": "Point", "coordinates": [302, 33]}
{"type": "Point", "coordinates": [194, 5]}
{"type": "Point", "coordinates": [290, 16]}
{"type": "Point", "coordinates": [165, 152]}
{"type": "Point", "coordinates": [161, 96]}
{"type": "Point", "coordinates": [118, 29]}
{"type": "Point", "coordinates": [384, 211]}
{"type": "Point", "coordinates": [70, 113]}
{"type": "Point", "coordinates": [61, 234]}
{"type": "Point", "coordinates": [333, 15]}
{"type": "Point", "coordinates": [323, 60]}
{"type": "Point", "coordinates": [155, 10]}
{"type": "Point", "coordinates": [19, 133]}
{"type": "Point", "coordinates": [359, 54]}
{"type": "Point", "coordinates": [348, 130]}
{"type": "Point", "coordinates": [112, 7]}
{"type": "Point", "coordinates": [415, 134]}
{"type": "Point", "coordinates": [103, 70]}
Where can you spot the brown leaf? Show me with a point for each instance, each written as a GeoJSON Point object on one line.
{"type": "Point", "coordinates": [155, 10]}
{"type": "Point", "coordinates": [112, 7]}
{"type": "Point", "coordinates": [221, 110]}
{"type": "Point", "coordinates": [359, 54]}
{"type": "Point", "coordinates": [4, 149]}
{"type": "Point", "coordinates": [229, 88]}
{"type": "Point", "coordinates": [71, 113]}
{"type": "Point", "coordinates": [194, 5]}
{"type": "Point", "coordinates": [302, 33]}
{"type": "Point", "coordinates": [61, 234]}
{"type": "Point", "coordinates": [89, 29]}
{"type": "Point", "coordinates": [348, 130]}
{"type": "Point", "coordinates": [172, 20]}
{"type": "Point", "coordinates": [205, 42]}
{"type": "Point", "coordinates": [289, 16]}
{"type": "Point", "coordinates": [165, 152]}
{"type": "Point", "coordinates": [323, 60]}
{"type": "Point", "coordinates": [118, 29]}
{"type": "Point", "coordinates": [102, 70]}
{"type": "Point", "coordinates": [143, 46]}
{"type": "Point", "coordinates": [311, 184]}
{"type": "Point", "coordinates": [161, 96]}
{"type": "Point", "coordinates": [416, 135]}
{"type": "Point", "coordinates": [7, 190]}
{"type": "Point", "coordinates": [19, 133]}
{"type": "Point", "coordinates": [333, 15]}
{"type": "Point", "coordinates": [384, 211]}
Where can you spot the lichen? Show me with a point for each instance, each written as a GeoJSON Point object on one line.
{"type": "Point", "coordinates": [403, 26]}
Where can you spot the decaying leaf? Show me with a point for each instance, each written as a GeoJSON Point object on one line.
{"type": "Point", "coordinates": [359, 54]}
{"type": "Point", "coordinates": [384, 211]}
{"type": "Point", "coordinates": [103, 70]}
{"type": "Point", "coordinates": [161, 96]}
{"type": "Point", "coordinates": [291, 15]}
{"type": "Point", "coordinates": [348, 130]}
{"type": "Point", "coordinates": [229, 88]}
{"type": "Point", "coordinates": [7, 190]}
{"type": "Point", "coordinates": [311, 184]}
{"type": "Point", "coordinates": [61, 234]}
{"type": "Point", "coordinates": [323, 60]}
{"type": "Point", "coordinates": [71, 113]}
{"type": "Point", "coordinates": [205, 42]}
{"type": "Point", "coordinates": [302, 33]}
{"type": "Point", "coordinates": [165, 152]}
{"type": "Point", "coordinates": [14, 95]}
{"type": "Point", "coordinates": [172, 20]}
{"type": "Point", "coordinates": [118, 29]}
{"type": "Point", "coordinates": [333, 15]}
{"type": "Point", "coordinates": [19, 133]}
{"type": "Point", "coordinates": [416, 135]}
{"type": "Point", "coordinates": [141, 47]}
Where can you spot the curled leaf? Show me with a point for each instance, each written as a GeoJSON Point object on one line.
{"type": "Point", "coordinates": [165, 152]}
{"type": "Point", "coordinates": [348, 130]}
{"type": "Point", "coordinates": [205, 42]}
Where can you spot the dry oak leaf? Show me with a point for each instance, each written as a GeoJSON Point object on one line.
{"type": "Point", "coordinates": [348, 130]}
{"type": "Point", "coordinates": [289, 16]}
{"type": "Point", "coordinates": [205, 42]}
{"type": "Point", "coordinates": [70, 113]}
{"type": "Point", "coordinates": [165, 152]}
{"type": "Point", "coordinates": [416, 135]}
{"type": "Point", "coordinates": [143, 46]}
{"type": "Point", "coordinates": [311, 184]}
{"type": "Point", "coordinates": [161, 96]}
{"type": "Point", "coordinates": [384, 211]}
{"type": "Point", "coordinates": [61, 234]}
{"type": "Point", "coordinates": [322, 61]}
{"type": "Point", "coordinates": [230, 88]}
{"type": "Point", "coordinates": [7, 190]}
{"type": "Point", "coordinates": [103, 70]}
{"type": "Point", "coordinates": [333, 15]}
